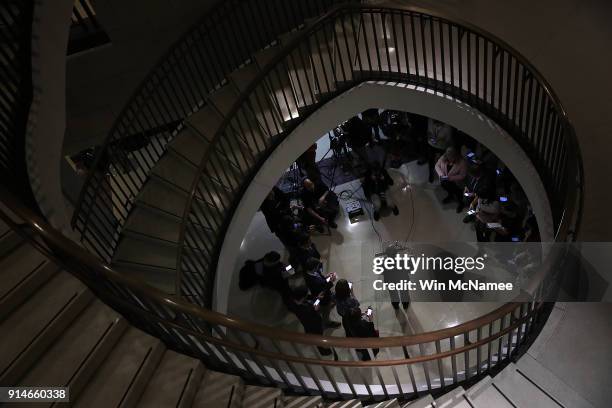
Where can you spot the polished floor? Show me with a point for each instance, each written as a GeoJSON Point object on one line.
{"type": "Point", "coordinates": [348, 251]}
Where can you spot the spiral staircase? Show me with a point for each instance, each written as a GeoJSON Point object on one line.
{"type": "Point", "coordinates": [124, 309]}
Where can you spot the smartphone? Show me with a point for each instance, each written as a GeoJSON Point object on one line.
{"type": "Point", "coordinates": [289, 270]}
{"type": "Point", "coordinates": [503, 199]}
{"type": "Point", "coordinates": [316, 303]}
{"type": "Point", "coordinates": [498, 171]}
{"type": "Point", "coordinates": [494, 225]}
{"type": "Point", "coordinates": [467, 194]}
{"type": "Point", "coordinates": [369, 311]}
{"type": "Point", "coordinates": [350, 285]}
{"type": "Point", "coordinates": [471, 212]}
{"type": "Point", "coordinates": [328, 279]}
{"type": "Point", "coordinates": [470, 155]}
{"type": "Point", "coordinates": [516, 239]}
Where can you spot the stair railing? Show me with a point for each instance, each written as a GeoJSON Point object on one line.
{"type": "Point", "coordinates": [409, 45]}
{"type": "Point", "coordinates": [402, 366]}
{"type": "Point", "coordinates": [335, 367]}
{"type": "Point", "coordinates": [179, 84]}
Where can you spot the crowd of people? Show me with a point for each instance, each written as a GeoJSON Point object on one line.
{"type": "Point", "coordinates": [472, 177]}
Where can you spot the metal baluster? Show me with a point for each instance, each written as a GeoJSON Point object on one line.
{"type": "Point", "coordinates": [440, 369]}
{"type": "Point", "coordinates": [466, 354]}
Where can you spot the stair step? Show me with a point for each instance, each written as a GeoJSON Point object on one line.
{"type": "Point", "coordinates": [453, 399]}
{"type": "Point", "coordinates": [223, 100]}
{"type": "Point", "coordinates": [550, 383]}
{"type": "Point", "coordinates": [174, 383]}
{"type": "Point", "coordinates": [265, 56]}
{"type": "Point", "coordinates": [9, 240]}
{"type": "Point", "coordinates": [189, 145]}
{"type": "Point", "coordinates": [484, 395]}
{"type": "Point", "coordinates": [12, 298]}
{"type": "Point", "coordinates": [520, 390]}
{"type": "Point", "coordinates": [354, 403]}
{"type": "Point", "coordinates": [392, 403]}
{"type": "Point", "coordinates": [243, 77]}
{"type": "Point", "coordinates": [18, 265]}
{"type": "Point", "coordinates": [124, 374]}
{"type": "Point", "coordinates": [303, 402]}
{"type": "Point", "coordinates": [163, 196]}
{"type": "Point", "coordinates": [39, 321]}
{"type": "Point", "coordinates": [219, 390]}
{"type": "Point", "coordinates": [83, 347]}
{"type": "Point", "coordinates": [146, 252]}
{"type": "Point", "coordinates": [144, 221]}
{"type": "Point", "coordinates": [262, 397]}
{"type": "Point", "coordinates": [175, 170]}
{"type": "Point", "coordinates": [205, 122]}
{"type": "Point", "coordinates": [424, 402]}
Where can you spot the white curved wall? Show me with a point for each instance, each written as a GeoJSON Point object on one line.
{"type": "Point", "coordinates": [47, 119]}
{"type": "Point", "coordinates": [385, 95]}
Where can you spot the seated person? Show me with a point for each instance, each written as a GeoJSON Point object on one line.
{"type": "Point", "coordinates": [302, 305]}
{"type": "Point", "coordinates": [321, 205]}
{"type": "Point", "coordinates": [273, 273]}
{"type": "Point", "coordinates": [376, 184]}
{"type": "Point", "coordinates": [452, 169]}
{"type": "Point", "coordinates": [267, 271]}
{"type": "Point", "coordinates": [305, 250]}
{"type": "Point", "coordinates": [275, 205]}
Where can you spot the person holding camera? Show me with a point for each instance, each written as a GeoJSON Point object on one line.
{"type": "Point", "coordinates": [321, 206]}
{"type": "Point", "coordinates": [452, 169]}
{"type": "Point", "coordinates": [376, 183]}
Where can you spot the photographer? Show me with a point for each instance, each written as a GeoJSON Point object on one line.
{"type": "Point", "coordinates": [321, 205]}
{"type": "Point", "coordinates": [320, 286]}
{"type": "Point", "coordinates": [376, 185]}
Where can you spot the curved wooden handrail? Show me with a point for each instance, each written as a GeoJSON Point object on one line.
{"type": "Point", "coordinates": [33, 222]}
{"type": "Point", "coordinates": [574, 184]}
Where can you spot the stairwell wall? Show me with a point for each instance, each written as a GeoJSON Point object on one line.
{"type": "Point", "coordinates": [47, 118]}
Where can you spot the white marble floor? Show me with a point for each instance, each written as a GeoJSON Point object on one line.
{"type": "Point", "coordinates": [422, 218]}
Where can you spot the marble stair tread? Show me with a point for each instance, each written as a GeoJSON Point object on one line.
{"type": "Point", "coordinates": [484, 395]}
{"type": "Point", "coordinates": [550, 383]}
{"type": "Point", "coordinates": [123, 375]}
{"type": "Point", "coordinates": [262, 397]}
{"type": "Point", "coordinates": [219, 390]}
{"type": "Point", "coordinates": [174, 382]}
